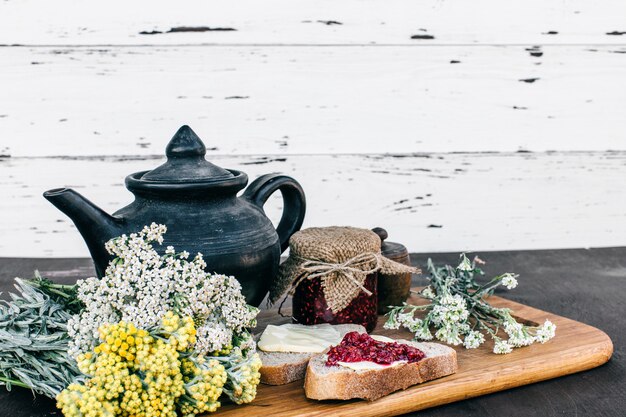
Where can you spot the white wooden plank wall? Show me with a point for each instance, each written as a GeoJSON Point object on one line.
{"type": "Point", "coordinates": [380, 128]}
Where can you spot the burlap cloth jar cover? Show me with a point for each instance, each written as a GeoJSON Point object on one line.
{"type": "Point", "coordinates": [341, 257]}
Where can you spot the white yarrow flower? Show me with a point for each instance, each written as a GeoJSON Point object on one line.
{"type": "Point", "coordinates": [391, 325]}
{"type": "Point", "coordinates": [409, 321]}
{"type": "Point", "coordinates": [428, 293]}
{"type": "Point", "coordinates": [450, 335]}
{"type": "Point", "coordinates": [518, 333]}
{"type": "Point", "coordinates": [212, 337]}
{"type": "Point", "coordinates": [546, 331]}
{"type": "Point", "coordinates": [473, 340]}
{"type": "Point", "coordinates": [423, 333]}
{"type": "Point", "coordinates": [451, 309]}
{"type": "Point", "coordinates": [509, 281]}
{"type": "Point", "coordinates": [465, 264]}
{"type": "Point", "coordinates": [502, 347]}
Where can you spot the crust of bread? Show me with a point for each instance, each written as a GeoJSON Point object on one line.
{"type": "Point", "coordinates": [284, 373]}
{"type": "Point", "coordinates": [282, 368]}
{"type": "Point", "coordinates": [340, 383]}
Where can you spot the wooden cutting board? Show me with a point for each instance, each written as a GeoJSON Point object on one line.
{"type": "Point", "coordinates": [576, 347]}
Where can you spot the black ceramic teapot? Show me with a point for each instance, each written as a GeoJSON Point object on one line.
{"type": "Point", "coordinates": [198, 203]}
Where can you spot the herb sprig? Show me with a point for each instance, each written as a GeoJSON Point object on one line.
{"type": "Point", "coordinates": [34, 342]}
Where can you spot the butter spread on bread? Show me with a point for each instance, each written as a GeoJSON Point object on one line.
{"type": "Point", "coordinates": [298, 338]}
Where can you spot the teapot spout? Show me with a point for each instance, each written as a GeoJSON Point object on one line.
{"type": "Point", "coordinates": [94, 224]}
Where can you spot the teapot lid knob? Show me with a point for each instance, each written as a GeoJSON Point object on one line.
{"type": "Point", "coordinates": [186, 163]}
{"type": "Point", "coordinates": [185, 143]}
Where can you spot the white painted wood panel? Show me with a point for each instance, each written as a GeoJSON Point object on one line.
{"type": "Point", "coordinates": [289, 90]}
{"type": "Point", "coordinates": [434, 202]}
{"type": "Point", "coordinates": [114, 22]}
{"type": "Point", "coordinates": [318, 100]}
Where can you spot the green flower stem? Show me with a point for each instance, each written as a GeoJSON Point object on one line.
{"type": "Point", "coordinates": [62, 286]}
{"type": "Point", "coordinates": [493, 282]}
{"type": "Point", "coordinates": [484, 318]}
{"type": "Point", "coordinates": [60, 293]}
{"type": "Point", "coordinates": [14, 382]}
{"type": "Point", "coordinates": [53, 288]}
{"type": "Point", "coordinates": [491, 332]}
{"type": "Point", "coordinates": [469, 298]}
{"type": "Point", "coordinates": [413, 308]}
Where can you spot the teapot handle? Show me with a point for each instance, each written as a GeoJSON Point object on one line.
{"type": "Point", "coordinates": [294, 202]}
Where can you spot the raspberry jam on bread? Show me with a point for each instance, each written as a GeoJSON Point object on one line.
{"type": "Point", "coordinates": [355, 347]}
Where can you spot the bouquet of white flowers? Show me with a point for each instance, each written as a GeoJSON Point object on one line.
{"type": "Point", "coordinates": [140, 286]}
{"type": "Point", "coordinates": [456, 307]}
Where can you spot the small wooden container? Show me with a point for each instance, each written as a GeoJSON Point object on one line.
{"type": "Point", "coordinates": [393, 290]}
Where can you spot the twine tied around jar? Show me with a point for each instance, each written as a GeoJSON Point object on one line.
{"type": "Point", "coordinates": [341, 257]}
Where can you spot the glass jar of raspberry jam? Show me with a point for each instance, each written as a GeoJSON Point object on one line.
{"type": "Point", "coordinates": [309, 305]}
{"type": "Point", "coordinates": [332, 274]}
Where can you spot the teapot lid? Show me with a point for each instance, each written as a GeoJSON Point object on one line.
{"type": "Point", "coordinates": [185, 168]}
{"type": "Point", "coordinates": [185, 161]}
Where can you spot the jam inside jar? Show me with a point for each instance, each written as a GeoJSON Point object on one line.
{"type": "Point", "coordinates": [309, 305]}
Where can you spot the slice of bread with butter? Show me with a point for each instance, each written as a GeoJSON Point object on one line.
{"type": "Point", "coordinates": [370, 381]}
{"type": "Point", "coordinates": [286, 350]}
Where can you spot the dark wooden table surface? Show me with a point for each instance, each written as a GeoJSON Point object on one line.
{"type": "Point", "coordinates": [585, 285]}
